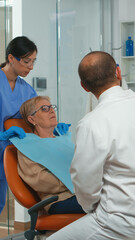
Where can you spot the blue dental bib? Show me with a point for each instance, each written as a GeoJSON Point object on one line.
{"type": "Point", "coordinates": [54, 153]}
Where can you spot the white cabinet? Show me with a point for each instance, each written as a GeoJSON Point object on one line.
{"type": "Point", "coordinates": [128, 62]}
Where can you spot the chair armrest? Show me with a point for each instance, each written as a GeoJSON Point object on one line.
{"type": "Point", "coordinates": [33, 212]}
{"type": "Point", "coordinates": [42, 203]}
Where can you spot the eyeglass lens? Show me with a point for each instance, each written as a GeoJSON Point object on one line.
{"type": "Point", "coordinates": [26, 62]}
{"type": "Point", "coordinates": [46, 108]}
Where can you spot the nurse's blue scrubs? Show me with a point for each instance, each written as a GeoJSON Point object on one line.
{"type": "Point", "coordinates": [10, 102]}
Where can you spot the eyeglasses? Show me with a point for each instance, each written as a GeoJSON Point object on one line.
{"type": "Point", "coordinates": [45, 108]}
{"type": "Point", "coordinates": [26, 62]}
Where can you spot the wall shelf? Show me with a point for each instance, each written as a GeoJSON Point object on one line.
{"type": "Point", "coordinates": [128, 57]}
{"type": "Point", "coordinates": [127, 63]}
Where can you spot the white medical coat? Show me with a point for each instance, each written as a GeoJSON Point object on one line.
{"type": "Point", "coordinates": [103, 167]}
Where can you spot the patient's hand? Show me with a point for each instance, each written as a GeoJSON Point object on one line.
{"type": "Point", "coordinates": [62, 128]}
{"type": "Point", "coordinates": [12, 132]}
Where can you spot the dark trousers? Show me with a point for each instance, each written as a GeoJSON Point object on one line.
{"type": "Point", "coordinates": [69, 205]}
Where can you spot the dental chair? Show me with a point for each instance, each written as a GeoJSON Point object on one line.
{"type": "Point", "coordinates": [27, 197]}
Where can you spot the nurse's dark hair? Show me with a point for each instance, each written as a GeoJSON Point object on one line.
{"type": "Point", "coordinates": [97, 70]}
{"type": "Point", "coordinates": [19, 47]}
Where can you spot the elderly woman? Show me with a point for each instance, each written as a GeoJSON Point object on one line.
{"type": "Point", "coordinates": [39, 114]}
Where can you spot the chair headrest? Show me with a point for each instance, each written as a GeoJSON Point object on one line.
{"type": "Point", "coordinates": [17, 122]}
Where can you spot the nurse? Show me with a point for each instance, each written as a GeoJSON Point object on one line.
{"type": "Point", "coordinates": [14, 90]}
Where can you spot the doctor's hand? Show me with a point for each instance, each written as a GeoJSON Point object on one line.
{"type": "Point", "coordinates": [12, 132]}
{"type": "Point", "coordinates": [62, 128]}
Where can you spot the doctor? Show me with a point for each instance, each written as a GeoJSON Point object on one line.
{"type": "Point", "coordinates": [103, 167]}
{"type": "Point", "coordinates": [14, 90]}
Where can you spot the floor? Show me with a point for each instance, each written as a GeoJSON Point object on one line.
{"type": "Point", "coordinates": [4, 232]}
{"type": "Point", "coordinates": [7, 231]}
{"type": "Point", "coordinates": [7, 218]}
{"type": "Point", "coordinates": [20, 236]}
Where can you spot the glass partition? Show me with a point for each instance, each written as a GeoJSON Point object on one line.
{"type": "Point", "coordinates": [5, 26]}
{"type": "Point", "coordinates": [7, 215]}
{"type": "Point", "coordinates": [2, 29]}
{"type": "Point", "coordinates": [78, 33]}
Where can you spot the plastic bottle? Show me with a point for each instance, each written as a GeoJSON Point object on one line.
{"type": "Point", "coordinates": [129, 47]}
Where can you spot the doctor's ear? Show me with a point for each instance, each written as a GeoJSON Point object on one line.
{"type": "Point", "coordinates": [84, 87]}
{"type": "Point", "coordinates": [118, 72]}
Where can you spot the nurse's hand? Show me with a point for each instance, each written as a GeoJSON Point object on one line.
{"type": "Point", "coordinates": [62, 128]}
{"type": "Point", "coordinates": [12, 132]}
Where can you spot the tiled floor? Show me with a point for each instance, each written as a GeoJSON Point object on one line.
{"type": "Point", "coordinates": [7, 214]}
{"type": "Point", "coordinates": [4, 232]}
{"type": "Point", "coordinates": [7, 217]}
{"type": "Point", "coordinates": [14, 235]}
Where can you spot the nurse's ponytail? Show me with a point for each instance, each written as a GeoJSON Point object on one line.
{"type": "Point", "coordinates": [3, 64]}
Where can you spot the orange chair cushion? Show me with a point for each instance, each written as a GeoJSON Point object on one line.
{"type": "Point", "coordinates": [17, 186]}
{"type": "Point", "coordinates": [27, 199]}
{"type": "Point", "coordinates": [22, 192]}
{"type": "Point", "coordinates": [17, 122]}
{"type": "Point", "coordinates": [57, 221]}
